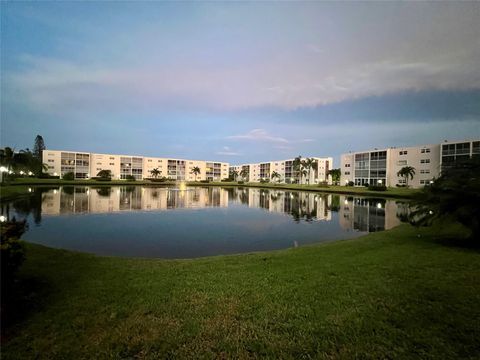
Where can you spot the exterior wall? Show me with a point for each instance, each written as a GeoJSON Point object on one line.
{"type": "Point", "coordinates": [264, 171]}
{"type": "Point", "coordinates": [425, 159]}
{"type": "Point", "coordinates": [428, 161]}
{"type": "Point", "coordinates": [138, 166]}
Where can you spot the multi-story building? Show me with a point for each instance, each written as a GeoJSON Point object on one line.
{"type": "Point", "coordinates": [286, 171]}
{"type": "Point", "coordinates": [87, 165]}
{"type": "Point", "coordinates": [380, 166]}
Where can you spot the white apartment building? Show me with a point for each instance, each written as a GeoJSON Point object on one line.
{"type": "Point", "coordinates": [285, 170]}
{"type": "Point", "coordinates": [380, 166]}
{"type": "Point", "coordinates": [86, 165]}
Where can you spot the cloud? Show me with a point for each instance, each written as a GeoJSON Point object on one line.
{"type": "Point", "coordinates": [258, 135]}
{"type": "Point", "coordinates": [228, 152]}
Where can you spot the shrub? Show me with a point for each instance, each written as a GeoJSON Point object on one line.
{"type": "Point", "coordinates": [130, 178]}
{"type": "Point", "coordinates": [400, 185]}
{"type": "Point", "coordinates": [322, 184]}
{"type": "Point", "coordinates": [263, 181]}
{"type": "Point", "coordinates": [69, 176]}
{"type": "Point", "coordinates": [226, 180]}
{"type": "Point", "coordinates": [205, 181]}
{"type": "Point", "coordinates": [241, 182]}
{"type": "Point", "coordinates": [377, 187]}
{"type": "Point", "coordinates": [104, 175]}
{"type": "Point", "coordinates": [350, 183]}
{"type": "Point", "coordinates": [12, 249]}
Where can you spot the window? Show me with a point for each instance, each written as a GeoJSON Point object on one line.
{"type": "Point", "coordinates": [347, 172]}
{"type": "Point", "coordinates": [149, 160]}
{"type": "Point", "coordinates": [403, 152]}
{"type": "Point", "coordinates": [112, 158]}
{"type": "Point", "coordinates": [423, 151]}
{"type": "Point", "coordinates": [425, 161]}
{"type": "Point", "coordinates": [99, 163]}
{"type": "Point", "coordinates": [50, 160]}
{"type": "Point", "coordinates": [426, 171]}
{"type": "Point", "coordinates": [347, 165]}
{"type": "Point", "coordinates": [401, 162]}
{"type": "Point", "coordinates": [112, 164]}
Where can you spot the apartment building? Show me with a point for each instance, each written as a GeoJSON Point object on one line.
{"type": "Point", "coordinates": [86, 165]}
{"type": "Point", "coordinates": [286, 171]}
{"type": "Point", "coordinates": [380, 166]}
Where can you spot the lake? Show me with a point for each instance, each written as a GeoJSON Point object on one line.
{"type": "Point", "coordinates": [165, 222]}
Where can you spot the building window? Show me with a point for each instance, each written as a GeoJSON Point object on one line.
{"type": "Point", "coordinates": [347, 172]}
{"type": "Point", "coordinates": [423, 151]}
{"type": "Point", "coordinates": [50, 160]}
{"type": "Point", "coordinates": [112, 158]}
{"type": "Point", "coordinates": [425, 161]}
{"type": "Point", "coordinates": [426, 171]}
{"type": "Point", "coordinates": [112, 164]}
{"type": "Point", "coordinates": [347, 165]}
{"type": "Point", "coordinates": [403, 152]}
{"type": "Point", "coordinates": [149, 160]}
{"type": "Point", "coordinates": [402, 162]}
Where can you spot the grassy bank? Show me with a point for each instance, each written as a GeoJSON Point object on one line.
{"type": "Point", "coordinates": [349, 190]}
{"type": "Point", "coordinates": [403, 293]}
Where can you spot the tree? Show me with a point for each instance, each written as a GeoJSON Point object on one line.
{"type": "Point", "coordinates": [105, 174]}
{"type": "Point", "coordinates": [155, 172]}
{"type": "Point", "coordinates": [244, 173]}
{"type": "Point", "coordinates": [297, 167]}
{"type": "Point", "coordinates": [276, 175]}
{"type": "Point", "coordinates": [454, 195]}
{"type": "Point", "coordinates": [406, 172]}
{"type": "Point", "coordinates": [308, 164]}
{"type": "Point", "coordinates": [233, 174]}
{"type": "Point", "coordinates": [195, 171]}
{"type": "Point", "coordinates": [335, 174]}
{"type": "Point", "coordinates": [38, 147]}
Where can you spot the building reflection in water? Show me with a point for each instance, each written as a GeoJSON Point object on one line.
{"type": "Point", "coordinates": [354, 213]}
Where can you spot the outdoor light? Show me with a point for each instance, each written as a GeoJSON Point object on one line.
{"type": "Point", "coordinates": [346, 181]}
{"type": "Point", "coordinates": [29, 189]}
{"type": "Point", "coordinates": [379, 205]}
{"type": "Point", "coordinates": [21, 173]}
{"type": "Point", "coordinates": [3, 218]}
{"type": "Point", "coordinates": [430, 212]}
{"type": "Point", "coordinates": [55, 174]}
{"type": "Point", "coordinates": [379, 181]}
{"type": "Point", "coordinates": [54, 191]}
{"type": "Point", "coordinates": [3, 169]}
{"type": "Point", "coordinates": [346, 202]}
{"type": "Point", "coordinates": [431, 181]}
{"type": "Point", "coordinates": [30, 173]}
{"type": "Point", "coordinates": [10, 172]}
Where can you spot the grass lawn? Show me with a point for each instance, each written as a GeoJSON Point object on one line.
{"type": "Point", "coordinates": [398, 294]}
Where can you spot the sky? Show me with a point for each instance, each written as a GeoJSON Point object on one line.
{"type": "Point", "coordinates": [238, 81]}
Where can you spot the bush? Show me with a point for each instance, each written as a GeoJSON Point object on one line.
{"type": "Point", "coordinates": [205, 181]}
{"type": "Point", "coordinates": [98, 178]}
{"type": "Point", "coordinates": [69, 176]}
{"type": "Point", "coordinates": [12, 249]}
{"type": "Point", "coordinates": [377, 187]}
{"type": "Point", "coordinates": [401, 185]}
{"type": "Point", "coordinates": [322, 184]}
{"type": "Point", "coordinates": [264, 181]}
{"type": "Point", "coordinates": [130, 178]}
{"type": "Point", "coordinates": [104, 175]}
{"type": "Point", "coordinates": [241, 182]}
{"type": "Point", "coordinates": [226, 180]}
{"type": "Point", "coordinates": [162, 179]}
{"type": "Point", "coordinates": [350, 183]}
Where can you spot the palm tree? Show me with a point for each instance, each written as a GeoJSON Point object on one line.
{"type": "Point", "coordinates": [155, 172]}
{"type": "Point", "coordinates": [307, 165]}
{"type": "Point", "coordinates": [276, 175]}
{"type": "Point", "coordinates": [406, 172]}
{"type": "Point", "coordinates": [195, 171]}
{"type": "Point", "coordinates": [335, 174]}
{"type": "Point", "coordinates": [244, 173]}
{"type": "Point", "coordinates": [234, 174]}
{"type": "Point", "coordinates": [297, 167]}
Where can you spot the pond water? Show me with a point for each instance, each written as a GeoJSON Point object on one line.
{"type": "Point", "coordinates": [199, 221]}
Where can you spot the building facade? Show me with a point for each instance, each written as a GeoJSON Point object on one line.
{"type": "Point", "coordinates": [380, 166]}
{"type": "Point", "coordinates": [87, 165]}
{"type": "Point", "coordinates": [285, 171]}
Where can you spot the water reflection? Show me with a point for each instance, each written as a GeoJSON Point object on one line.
{"type": "Point", "coordinates": [354, 213]}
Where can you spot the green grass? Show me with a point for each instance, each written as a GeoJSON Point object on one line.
{"type": "Point", "coordinates": [400, 294]}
